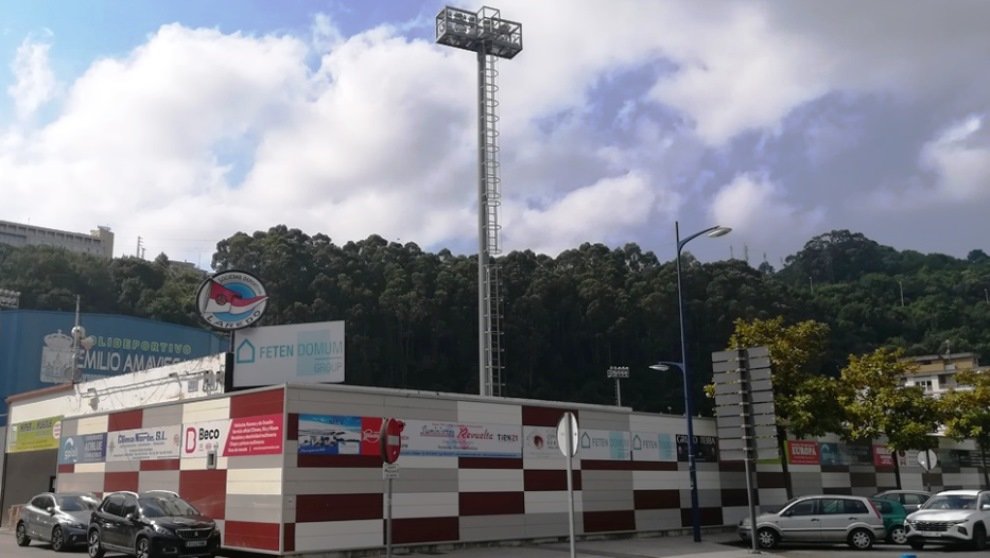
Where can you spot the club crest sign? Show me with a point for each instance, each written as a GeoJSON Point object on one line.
{"type": "Point", "coordinates": [232, 300]}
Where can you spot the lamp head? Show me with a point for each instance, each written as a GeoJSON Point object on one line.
{"type": "Point", "coordinates": [660, 367]}
{"type": "Point", "coordinates": [719, 231]}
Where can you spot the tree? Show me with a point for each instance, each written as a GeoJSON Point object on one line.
{"type": "Point", "coordinates": [876, 403]}
{"type": "Point", "coordinates": [966, 413]}
{"type": "Point", "coordinates": [803, 398]}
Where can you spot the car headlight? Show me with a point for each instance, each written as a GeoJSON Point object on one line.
{"type": "Point", "coordinates": [162, 530]}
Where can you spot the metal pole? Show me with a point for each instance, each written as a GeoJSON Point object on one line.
{"type": "Point", "coordinates": [749, 449]}
{"type": "Point", "coordinates": [570, 487]}
{"type": "Point", "coordinates": [484, 385]}
{"type": "Point", "coordinates": [688, 404]}
{"type": "Point", "coordinates": [388, 520]}
{"type": "Point", "coordinates": [618, 393]}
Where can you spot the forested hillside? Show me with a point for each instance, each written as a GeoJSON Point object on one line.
{"type": "Point", "coordinates": [411, 315]}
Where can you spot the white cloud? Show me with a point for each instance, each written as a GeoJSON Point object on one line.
{"type": "Point", "coordinates": [960, 159]}
{"type": "Point", "coordinates": [604, 210]}
{"type": "Point", "coordinates": [34, 82]}
{"type": "Point", "coordinates": [758, 212]}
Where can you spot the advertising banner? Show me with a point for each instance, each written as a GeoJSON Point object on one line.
{"type": "Point", "coordinates": [298, 353]}
{"type": "Point", "coordinates": [883, 458]}
{"type": "Point", "coordinates": [802, 452]}
{"type": "Point", "coordinates": [87, 448]}
{"type": "Point", "coordinates": [604, 444]}
{"type": "Point", "coordinates": [260, 435]}
{"type": "Point", "coordinates": [143, 444]}
{"type": "Point", "coordinates": [651, 446]}
{"type": "Point", "coordinates": [705, 449]}
{"type": "Point", "coordinates": [35, 435]}
{"type": "Point", "coordinates": [461, 440]}
{"type": "Point", "coordinates": [540, 442]}
{"type": "Point", "coordinates": [339, 435]}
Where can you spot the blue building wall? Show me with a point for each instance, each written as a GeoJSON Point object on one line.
{"type": "Point", "coordinates": [34, 348]}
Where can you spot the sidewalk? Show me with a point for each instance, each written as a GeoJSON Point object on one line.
{"type": "Point", "coordinates": [721, 545]}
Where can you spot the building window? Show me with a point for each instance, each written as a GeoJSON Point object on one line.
{"type": "Point", "coordinates": [925, 384]}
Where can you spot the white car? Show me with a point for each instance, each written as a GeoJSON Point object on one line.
{"type": "Point", "coordinates": [951, 517]}
{"type": "Point", "coordinates": [828, 518]}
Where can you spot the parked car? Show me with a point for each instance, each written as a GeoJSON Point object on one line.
{"type": "Point", "coordinates": [951, 516]}
{"type": "Point", "coordinates": [150, 525]}
{"type": "Point", "coordinates": [830, 518]}
{"type": "Point", "coordinates": [893, 514]}
{"type": "Point", "coordinates": [910, 499]}
{"type": "Point", "coordinates": [59, 518]}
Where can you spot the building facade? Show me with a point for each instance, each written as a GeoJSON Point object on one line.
{"type": "Point", "coordinates": [936, 374]}
{"type": "Point", "coordinates": [99, 242]}
{"type": "Point", "coordinates": [297, 469]}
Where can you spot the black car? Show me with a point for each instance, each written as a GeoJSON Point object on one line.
{"type": "Point", "coordinates": [150, 525]}
{"type": "Point", "coordinates": [60, 518]}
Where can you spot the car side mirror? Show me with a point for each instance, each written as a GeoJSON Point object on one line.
{"type": "Point", "coordinates": [50, 510]}
{"type": "Point", "coordinates": [985, 507]}
{"type": "Point", "coordinates": [133, 516]}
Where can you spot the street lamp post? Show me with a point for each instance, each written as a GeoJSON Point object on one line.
{"type": "Point", "coordinates": [712, 232]}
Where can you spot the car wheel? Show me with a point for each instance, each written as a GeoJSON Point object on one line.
{"type": "Point", "coordinates": [142, 549]}
{"type": "Point", "coordinates": [861, 539]}
{"type": "Point", "coordinates": [897, 535]}
{"type": "Point", "coordinates": [93, 545]}
{"type": "Point", "coordinates": [979, 537]}
{"type": "Point", "coordinates": [22, 535]}
{"type": "Point", "coordinates": [917, 545]}
{"type": "Point", "coordinates": [58, 539]}
{"type": "Point", "coordinates": [767, 538]}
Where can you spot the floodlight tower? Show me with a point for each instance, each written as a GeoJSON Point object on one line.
{"type": "Point", "coordinates": [492, 37]}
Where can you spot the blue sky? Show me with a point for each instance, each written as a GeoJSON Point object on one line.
{"type": "Point", "coordinates": [184, 122]}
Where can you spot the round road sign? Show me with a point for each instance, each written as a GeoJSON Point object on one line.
{"type": "Point", "coordinates": [927, 459]}
{"type": "Point", "coordinates": [568, 419]}
{"type": "Point", "coordinates": [391, 439]}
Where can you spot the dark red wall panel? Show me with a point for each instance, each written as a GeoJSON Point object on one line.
{"type": "Point", "coordinates": [67, 468]}
{"type": "Point", "coordinates": [270, 402]}
{"type": "Point", "coordinates": [708, 516]}
{"type": "Point", "coordinates": [251, 534]}
{"type": "Point", "coordinates": [160, 465]}
{"type": "Point", "coordinates": [292, 426]}
{"type": "Point", "coordinates": [658, 499]}
{"type": "Point", "coordinates": [424, 529]}
{"type": "Point", "coordinates": [540, 480]}
{"type": "Point", "coordinates": [544, 416]}
{"type": "Point", "coordinates": [289, 537]}
{"type": "Point", "coordinates": [123, 480]}
{"type": "Point", "coordinates": [598, 521]}
{"type": "Point", "coordinates": [491, 503]}
{"type": "Point", "coordinates": [205, 489]}
{"type": "Point", "coordinates": [125, 420]}
{"type": "Point", "coordinates": [338, 507]}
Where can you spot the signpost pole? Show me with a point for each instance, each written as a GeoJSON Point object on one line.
{"type": "Point", "coordinates": [388, 519]}
{"type": "Point", "coordinates": [570, 487]}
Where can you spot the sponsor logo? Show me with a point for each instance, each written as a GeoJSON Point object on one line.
{"type": "Point", "coordinates": [232, 300]}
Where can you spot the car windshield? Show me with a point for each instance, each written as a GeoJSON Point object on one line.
{"type": "Point", "coordinates": [76, 502]}
{"type": "Point", "coordinates": [951, 502]}
{"type": "Point", "coordinates": [166, 506]}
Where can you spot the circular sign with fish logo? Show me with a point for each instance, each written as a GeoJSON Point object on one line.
{"type": "Point", "coordinates": [232, 300]}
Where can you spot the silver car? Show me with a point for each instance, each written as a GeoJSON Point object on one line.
{"type": "Point", "coordinates": [58, 518]}
{"type": "Point", "coordinates": [828, 518]}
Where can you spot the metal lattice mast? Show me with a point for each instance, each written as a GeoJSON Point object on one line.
{"type": "Point", "coordinates": [491, 37]}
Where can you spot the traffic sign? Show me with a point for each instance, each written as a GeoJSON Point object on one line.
{"type": "Point", "coordinates": [567, 420]}
{"type": "Point", "coordinates": [391, 439]}
{"type": "Point", "coordinates": [927, 459]}
{"type": "Point", "coordinates": [390, 471]}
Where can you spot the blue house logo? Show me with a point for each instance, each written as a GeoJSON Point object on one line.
{"type": "Point", "coordinates": [245, 352]}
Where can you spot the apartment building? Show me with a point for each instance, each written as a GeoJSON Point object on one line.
{"type": "Point", "coordinates": [937, 373]}
{"type": "Point", "coordinates": [99, 242]}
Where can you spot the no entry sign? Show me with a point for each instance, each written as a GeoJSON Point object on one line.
{"type": "Point", "coordinates": [391, 439]}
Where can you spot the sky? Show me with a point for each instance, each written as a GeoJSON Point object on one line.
{"type": "Point", "coordinates": [184, 122]}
